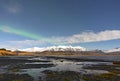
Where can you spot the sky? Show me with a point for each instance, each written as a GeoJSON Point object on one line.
{"type": "Point", "coordinates": [92, 24]}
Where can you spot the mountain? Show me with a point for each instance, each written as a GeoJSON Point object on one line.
{"type": "Point", "coordinates": [65, 48]}
{"type": "Point", "coordinates": [54, 48]}
{"type": "Point", "coordinates": [113, 50]}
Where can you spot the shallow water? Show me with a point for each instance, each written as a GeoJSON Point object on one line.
{"type": "Point", "coordinates": [63, 65]}
{"type": "Point", "coordinates": [56, 65]}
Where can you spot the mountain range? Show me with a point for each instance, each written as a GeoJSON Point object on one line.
{"type": "Point", "coordinates": [59, 50]}
{"type": "Point", "coordinates": [54, 48]}
{"type": "Point", "coordinates": [65, 48]}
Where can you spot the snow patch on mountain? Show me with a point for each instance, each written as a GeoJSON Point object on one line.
{"type": "Point", "coordinates": [54, 48]}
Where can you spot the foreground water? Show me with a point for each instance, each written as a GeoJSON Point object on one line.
{"type": "Point", "coordinates": [52, 69]}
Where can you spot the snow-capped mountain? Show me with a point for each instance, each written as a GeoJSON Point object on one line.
{"type": "Point", "coordinates": [66, 48]}
{"type": "Point", "coordinates": [54, 48]}
{"type": "Point", "coordinates": [113, 50]}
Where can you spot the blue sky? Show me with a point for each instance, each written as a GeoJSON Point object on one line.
{"type": "Point", "coordinates": [93, 24]}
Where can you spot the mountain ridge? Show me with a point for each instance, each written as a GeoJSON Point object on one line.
{"type": "Point", "coordinates": [54, 48]}
{"type": "Point", "coordinates": [113, 50]}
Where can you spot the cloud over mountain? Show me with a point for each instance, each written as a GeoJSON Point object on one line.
{"type": "Point", "coordinates": [83, 37]}
{"type": "Point", "coordinates": [90, 37]}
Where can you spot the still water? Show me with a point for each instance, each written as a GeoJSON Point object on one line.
{"type": "Point", "coordinates": [35, 66]}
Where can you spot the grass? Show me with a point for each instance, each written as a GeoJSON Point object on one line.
{"type": "Point", "coordinates": [106, 75]}
{"type": "Point", "coordinates": [51, 75]}
{"type": "Point", "coordinates": [18, 80]}
{"type": "Point", "coordinates": [115, 71]}
{"type": "Point", "coordinates": [15, 70]}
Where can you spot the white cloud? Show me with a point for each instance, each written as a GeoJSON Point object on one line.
{"type": "Point", "coordinates": [10, 46]}
{"type": "Point", "coordinates": [74, 39]}
{"type": "Point", "coordinates": [12, 6]}
{"type": "Point", "coordinates": [28, 42]}
{"type": "Point", "coordinates": [20, 44]}
{"type": "Point", "coordinates": [77, 38]}
{"type": "Point", "coordinates": [90, 37]}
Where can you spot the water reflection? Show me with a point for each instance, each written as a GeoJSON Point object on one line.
{"type": "Point", "coordinates": [57, 65]}
{"type": "Point", "coordinates": [64, 65]}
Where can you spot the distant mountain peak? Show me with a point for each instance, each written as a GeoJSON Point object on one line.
{"type": "Point", "coordinates": [113, 50]}
{"type": "Point", "coordinates": [117, 48]}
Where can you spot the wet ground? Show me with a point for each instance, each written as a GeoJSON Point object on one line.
{"type": "Point", "coordinates": [31, 68]}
